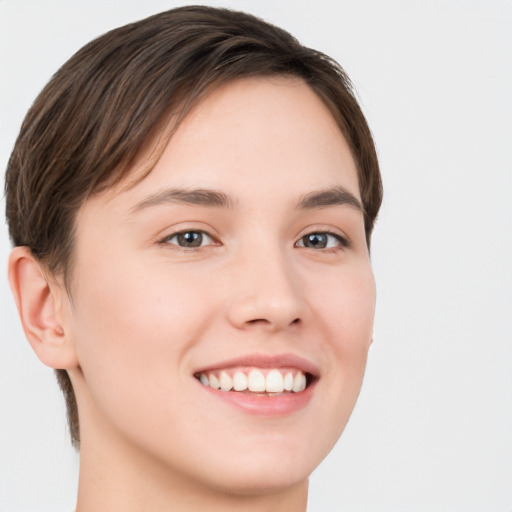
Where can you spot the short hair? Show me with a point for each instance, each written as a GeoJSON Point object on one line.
{"type": "Point", "coordinates": [117, 93]}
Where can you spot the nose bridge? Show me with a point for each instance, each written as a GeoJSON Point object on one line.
{"type": "Point", "coordinates": [266, 289]}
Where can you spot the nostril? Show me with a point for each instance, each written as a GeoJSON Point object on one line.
{"type": "Point", "coordinates": [264, 321]}
{"type": "Point", "coordinates": [256, 321]}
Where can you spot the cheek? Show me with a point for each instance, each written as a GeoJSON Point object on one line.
{"type": "Point", "coordinates": [348, 308]}
{"type": "Point", "coordinates": [138, 304]}
{"type": "Point", "coordinates": [134, 327]}
{"type": "Point", "coordinates": [347, 311]}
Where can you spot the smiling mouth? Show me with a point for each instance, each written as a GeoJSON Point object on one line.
{"type": "Point", "coordinates": [256, 381]}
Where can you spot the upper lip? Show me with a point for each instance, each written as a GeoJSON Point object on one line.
{"type": "Point", "coordinates": [265, 361]}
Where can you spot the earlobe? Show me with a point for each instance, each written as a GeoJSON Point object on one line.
{"type": "Point", "coordinates": [40, 306]}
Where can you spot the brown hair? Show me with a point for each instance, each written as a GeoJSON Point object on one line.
{"type": "Point", "coordinates": [114, 95]}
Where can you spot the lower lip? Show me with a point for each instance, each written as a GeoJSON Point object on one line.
{"type": "Point", "coordinates": [265, 405]}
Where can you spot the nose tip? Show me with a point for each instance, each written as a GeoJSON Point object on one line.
{"type": "Point", "coordinates": [269, 304]}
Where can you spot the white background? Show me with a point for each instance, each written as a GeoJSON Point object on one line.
{"type": "Point", "coordinates": [432, 431]}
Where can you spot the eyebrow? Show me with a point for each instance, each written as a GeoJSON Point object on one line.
{"type": "Point", "coordinates": [198, 196]}
{"type": "Point", "coordinates": [336, 196]}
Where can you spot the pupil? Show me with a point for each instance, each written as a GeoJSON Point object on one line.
{"type": "Point", "coordinates": [190, 239]}
{"type": "Point", "coordinates": [316, 240]}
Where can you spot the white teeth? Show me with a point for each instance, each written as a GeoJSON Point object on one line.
{"type": "Point", "coordinates": [239, 381]}
{"type": "Point", "coordinates": [304, 382]}
{"type": "Point", "coordinates": [226, 382]}
{"type": "Point", "coordinates": [256, 381]}
{"type": "Point", "coordinates": [214, 382]}
{"type": "Point", "coordinates": [274, 382]}
{"type": "Point", "coordinates": [299, 383]}
{"type": "Point", "coordinates": [288, 381]}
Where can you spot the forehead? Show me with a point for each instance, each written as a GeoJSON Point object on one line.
{"type": "Point", "coordinates": [274, 130]}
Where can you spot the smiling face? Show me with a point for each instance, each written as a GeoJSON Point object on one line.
{"type": "Point", "coordinates": [240, 260]}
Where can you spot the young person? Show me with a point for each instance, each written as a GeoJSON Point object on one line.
{"type": "Point", "coordinates": [191, 200]}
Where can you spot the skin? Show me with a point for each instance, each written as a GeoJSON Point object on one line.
{"type": "Point", "coordinates": [146, 313]}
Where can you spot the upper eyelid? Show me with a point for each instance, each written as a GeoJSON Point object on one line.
{"type": "Point", "coordinates": [181, 231]}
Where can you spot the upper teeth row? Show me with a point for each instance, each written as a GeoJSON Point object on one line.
{"type": "Point", "coordinates": [256, 381]}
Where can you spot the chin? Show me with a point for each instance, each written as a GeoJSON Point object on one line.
{"type": "Point", "coordinates": [270, 465]}
{"type": "Point", "coordinates": [260, 480]}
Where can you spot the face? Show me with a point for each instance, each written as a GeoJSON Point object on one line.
{"type": "Point", "coordinates": [223, 306]}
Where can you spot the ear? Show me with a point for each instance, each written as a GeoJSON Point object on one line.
{"type": "Point", "coordinates": [41, 304]}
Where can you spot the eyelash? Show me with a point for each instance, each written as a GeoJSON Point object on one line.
{"type": "Point", "coordinates": [342, 242]}
{"type": "Point", "coordinates": [167, 239]}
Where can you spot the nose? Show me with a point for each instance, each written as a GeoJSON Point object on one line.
{"type": "Point", "coordinates": [267, 294]}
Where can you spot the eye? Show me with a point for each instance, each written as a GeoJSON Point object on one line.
{"type": "Point", "coordinates": [189, 239]}
{"type": "Point", "coordinates": [322, 240]}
